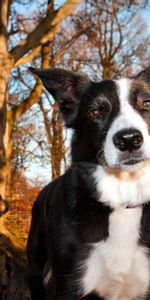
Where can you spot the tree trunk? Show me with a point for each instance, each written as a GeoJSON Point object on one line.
{"type": "Point", "coordinates": [57, 146]}
{"type": "Point", "coordinates": [5, 68]}
{"type": "Point", "coordinates": [9, 129]}
{"type": "Point", "coordinates": [107, 70]}
{"type": "Point", "coordinates": [13, 280]}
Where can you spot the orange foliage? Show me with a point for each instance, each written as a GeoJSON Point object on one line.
{"type": "Point", "coordinates": [23, 195]}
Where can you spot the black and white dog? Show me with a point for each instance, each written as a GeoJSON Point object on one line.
{"type": "Point", "coordinates": [90, 230]}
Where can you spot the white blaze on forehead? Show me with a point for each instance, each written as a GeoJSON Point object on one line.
{"type": "Point", "coordinates": [124, 85]}
{"type": "Point", "coordinates": [127, 118]}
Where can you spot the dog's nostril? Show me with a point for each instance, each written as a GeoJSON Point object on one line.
{"type": "Point", "coordinates": [137, 140]}
{"type": "Point", "coordinates": [119, 143]}
{"type": "Point", "coordinates": [128, 139]}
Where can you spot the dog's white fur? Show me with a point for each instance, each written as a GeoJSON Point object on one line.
{"type": "Point", "coordinates": [118, 268]}
{"type": "Point", "coordinates": [123, 189]}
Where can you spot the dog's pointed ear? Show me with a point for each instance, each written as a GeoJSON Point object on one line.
{"type": "Point", "coordinates": [67, 89]}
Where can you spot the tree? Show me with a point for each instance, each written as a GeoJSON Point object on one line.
{"type": "Point", "coordinates": [55, 138]}
{"type": "Point", "coordinates": [5, 67]}
{"type": "Point", "coordinates": [34, 43]}
{"type": "Point", "coordinates": [107, 44]}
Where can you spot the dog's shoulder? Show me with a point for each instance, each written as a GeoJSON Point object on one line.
{"type": "Point", "coordinates": [46, 195]}
{"type": "Point", "coordinates": [65, 190]}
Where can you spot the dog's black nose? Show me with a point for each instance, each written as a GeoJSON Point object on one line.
{"type": "Point", "coordinates": [128, 139]}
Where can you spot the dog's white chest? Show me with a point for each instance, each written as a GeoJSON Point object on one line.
{"type": "Point", "coordinates": [118, 268]}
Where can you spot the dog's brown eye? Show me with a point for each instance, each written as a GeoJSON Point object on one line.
{"type": "Point", "coordinates": [146, 104]}
{"type": "Point", "coordinates": [93, 113]}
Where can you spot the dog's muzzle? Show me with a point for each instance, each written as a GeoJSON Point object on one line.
{"type": "Point", "coordinates": [129, 142]}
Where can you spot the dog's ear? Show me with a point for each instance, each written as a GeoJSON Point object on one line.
{"type": "Point", "coordinates": [67, 89]}
{"type": "Point", "coordinates": [144, 74]}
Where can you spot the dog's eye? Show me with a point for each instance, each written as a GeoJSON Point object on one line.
{"type": "Point", "coordinates": [93, 113]}
{"type": "Point", "coordinates": [144, 104]}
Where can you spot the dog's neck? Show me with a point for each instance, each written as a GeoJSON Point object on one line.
{"type": "Point", "coordinates": [125, 189]}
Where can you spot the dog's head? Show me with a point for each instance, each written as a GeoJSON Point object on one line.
{"type": "Point", "coordinates": [111, 119]}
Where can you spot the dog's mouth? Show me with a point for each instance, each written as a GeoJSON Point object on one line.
{"type": "Point", "coordinates": [131, 164]}
{"type": "Point", "coordinates": [132, 161]}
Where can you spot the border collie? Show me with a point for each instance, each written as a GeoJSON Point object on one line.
{"type": "Point", "coordinates": [90, 230]}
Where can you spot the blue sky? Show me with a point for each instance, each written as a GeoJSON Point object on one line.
{"type": "Point", "coordinates": [146, 15]}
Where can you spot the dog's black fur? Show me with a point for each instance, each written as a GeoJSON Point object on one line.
{"type": "Point", "coordinates": [66, 216]}
{"type": "Point", "coordinates": [60, 226]}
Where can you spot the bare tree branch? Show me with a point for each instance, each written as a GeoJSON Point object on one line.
{"type": "Point", "coordinates": [45, 31]}
{"type": "Point", "coordinates": [26, 104]}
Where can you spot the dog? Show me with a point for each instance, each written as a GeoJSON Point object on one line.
{"type": "Point", "coordinates": [90, 231]}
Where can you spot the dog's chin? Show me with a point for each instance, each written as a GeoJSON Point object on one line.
{"type": "Point", "coordinates": [132, 165]}
{"type": "Point", "coordinates": [129, 165]}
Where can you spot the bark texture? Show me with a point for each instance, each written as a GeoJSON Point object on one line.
{"type": "Point", "coordinates": [5, 67]}
{"type": "Point", "coordinates": [13, 270]}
